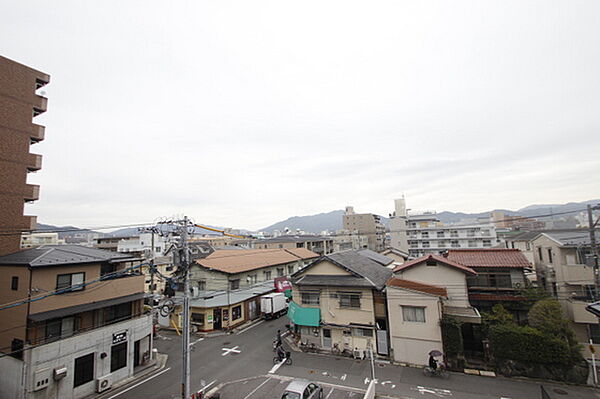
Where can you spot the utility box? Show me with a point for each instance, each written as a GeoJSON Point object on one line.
{"type": "Point", "coordinates": [273, 305]}
{"type": "Point", "coordinates": [41, 379]}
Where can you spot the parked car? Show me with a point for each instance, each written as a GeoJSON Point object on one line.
{"type": "Point", "coordinates": [302, 389]}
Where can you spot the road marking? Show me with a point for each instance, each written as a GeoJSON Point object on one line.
{"type": "Point", "coordinates": [276, 367]}
{"type": "Point", "coordinates": [329, 394]}
{"type": "Point", "coordinates": [139, 383]}
{"type": "Point", "coordinates": [227, 351]}
{"type": "Point", "coordinates": [249, 327]}
{"type": "Point", "coordinates": [204, 388]}
{"type": "Point", "coordinates": [434, 391]}
{"type": "Point", "coordinates": [255, 389]}
{"type": "Point", "coordinates": [343, 378]}
{"type": "Point", "coordinates": [196, 341]}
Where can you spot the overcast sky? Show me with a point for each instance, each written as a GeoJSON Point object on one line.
{"type": "Point", "coordinates": [244, 113]}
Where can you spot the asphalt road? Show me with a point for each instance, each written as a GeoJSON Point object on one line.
{"type": "Point", "coordinates": [248, 354]}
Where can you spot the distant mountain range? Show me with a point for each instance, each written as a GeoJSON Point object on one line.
{"type": "Point", "coordinates": [332, 221]}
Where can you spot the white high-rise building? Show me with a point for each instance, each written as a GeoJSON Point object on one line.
{"type": "Point", "coordinates": [398, 226]}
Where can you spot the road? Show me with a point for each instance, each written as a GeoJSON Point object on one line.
{"type": "Point", "coordinates": [240, 356]}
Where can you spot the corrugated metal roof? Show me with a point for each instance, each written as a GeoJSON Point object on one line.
{"type": "Point", "coordinates": [54, 255]}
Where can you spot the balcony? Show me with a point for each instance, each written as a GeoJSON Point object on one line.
{"type": "Point", "coordinates": [34, 162]}
{"type": "Point", "coordinates": [37, 133]}
{"type": "Point", "coordinates": [40, 105]}
{"type": "Point", "coordinates": [32, 192]}
{"type": "Point", "coordinates": [101, 291]}
{"type": "Point", "coordinates": [577, 274]}
{"type": "Point", "coordinates": [576, 312]}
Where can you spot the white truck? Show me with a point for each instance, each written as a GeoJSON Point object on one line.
{"type": "Point", "coordinates": [273, 305]}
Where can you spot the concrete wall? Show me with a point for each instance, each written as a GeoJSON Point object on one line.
{"type": "Point", "coordinates": [412, 341]}
{"type": "Point", "coordinates": [452, 279]}
{"type": "Point", "coordinates": [11, 378]}
{"type": "Point", "coordinates": [64, 352]}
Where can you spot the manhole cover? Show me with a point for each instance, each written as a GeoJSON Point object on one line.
{"type": "Point", "coordinates": [560, 391]}
{"type": "Point", "coordinates": [311, 371]}
{"type": "Point", "coordinates": [381, 365]}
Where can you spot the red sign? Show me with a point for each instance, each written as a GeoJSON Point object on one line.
{"type": "Point", "coordinates": [282, 284]}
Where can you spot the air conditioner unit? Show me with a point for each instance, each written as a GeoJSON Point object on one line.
{"type": "Point", "coordinates": [103, 383]}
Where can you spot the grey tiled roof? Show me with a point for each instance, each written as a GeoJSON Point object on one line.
{"type": "Point", "coordinates": [53, 255]}
{"type": "Point", "coordinates": [379, 258]}
{"type": "Point", "coordinates": [332, 281]}
{"type": "Point", "coordinates": [571, 238]}
{"type": "Point", "coordinates": [362, 266]}
{"type": "Point", "coordinates": [525, 236]}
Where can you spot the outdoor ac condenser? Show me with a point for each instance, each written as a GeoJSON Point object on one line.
{"type": "Point", "coordinates": [103, 383]}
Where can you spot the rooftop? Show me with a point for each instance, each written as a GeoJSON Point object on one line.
{"type": "Point", "coordinates": [436, 258]}
{"type": "Point", "coordinates": [56, 255]}
{"type": "Point", "coordinates": [294, 238]}
{"type": "Point", "coordinates": [415, 286]}
{"type": "Point", "coordinates": [374, 256]}
{"type": "Point", "coordinates": [211, 299]}
{"type": "Point", "coordinates": [492, 257]}
{"type": "Point", "coordinates": [570, 238]}
{"type": "Point", "coordinates": [242, 260]}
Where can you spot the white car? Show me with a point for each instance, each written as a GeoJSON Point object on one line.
{"type": "Point", "coordinates": [302, 389]}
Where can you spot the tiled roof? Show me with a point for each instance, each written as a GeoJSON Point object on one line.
{"type": "Point", "coordinates": [56, 255]}
{"type": "Point", "coordinates": [571, 238]}
{"type": "Point", "coordinates": [415, 286]}
{"type": "Point", "coordinates": [437, 258]}
{"type": "Point", "coordinates": [237, 261]}
{"type": "Point", "coordinates": [379, 258]}
{"type": "Point", "coordinates": [362, 266]}
{"type": "Point", "coordinates": [493, 257]}
{"type": "Point", "coordinates": [332, 281]}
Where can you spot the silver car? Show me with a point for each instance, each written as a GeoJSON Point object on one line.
{"type": "Point", "coordinates": [302, 389]}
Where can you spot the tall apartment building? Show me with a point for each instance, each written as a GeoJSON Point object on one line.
{"type": "Point", "coordinates": [398, 226]}
{"type": "Point", "coordinates": [19, 104]}
{"type": "Point", "coordinates": [427, 235]}
{"type": "Point", "coordinates": [366, 224]}
{"type": "Point", "coordinates": [86, 329]}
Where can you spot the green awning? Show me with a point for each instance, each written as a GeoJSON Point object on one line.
{"type": "Point", "coordinates": [288, 293]}
{"type": "Point", "coordinates": [304, 316]}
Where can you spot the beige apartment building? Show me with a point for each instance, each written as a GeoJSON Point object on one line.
{"type": "Point", "coordinates": [563, 266]}
{"type": "Point", "coordinates": [367, 224]}
{"type": "Point", "coordinates": [339, 301]}
{"type": "Point", "coordinates": [20, 102]}
{"type": "Point", "coordinates": [82, 328]}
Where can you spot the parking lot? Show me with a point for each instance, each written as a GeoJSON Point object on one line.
{"type": "Point", "coordinates": [271, 387]}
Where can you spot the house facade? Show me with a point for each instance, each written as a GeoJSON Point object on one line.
{"type": "Point", "coordinates": [85, 328]}
{"type": "Point", "coordinates": [232, 269]}
{"type": "Point", "coordinates": [564, 269]}
{"type": "Point", "coordinates": [338, 301]}
{"type": "Point", "coordinates": [421, 292]}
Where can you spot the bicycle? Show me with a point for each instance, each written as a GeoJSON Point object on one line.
{"type": "Point", "coordinates": [308, 347]}
{"type": "Point", "coordinates": [440, 371]}
{"type": "Point", "coordinates": [287, 358]}
{"type": "Point", "coordinates": [337, 351]}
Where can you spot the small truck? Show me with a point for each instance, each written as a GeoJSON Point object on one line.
{"type": "Point", "coordinates": [273, 305]}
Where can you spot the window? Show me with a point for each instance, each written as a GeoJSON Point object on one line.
{"type": "Point", "coordinates": [454, 233]}
{"type": "Point", "coordinates": [440, 234]}
{"type": "Point", "coordinates": [119, 312]}
{"type": "Point", "coordinates": [413, 314]}
{"type": "Point", "coordinates": [202, 285]}
{"type": "Point", "coordinates": [425, 234]}
{"type": "Point", "coordinates": [454, 244]}
{"type": "Point", "coordinates": [362, 332]}
{"type": "Point", "coordinates": [235, 284]}
{"type": "Point", "coordinates": [118, 356]}
{"type": "Point", "coordinates": [550, 255]}
{"type": "Point", "coordinates": [442, 244]}
{"type": "Point", "coordinates": [310, 298]}
{"type": "Point", "coordinates": [72, 281]}
{"type": "Point", "coordinates": [198, 318]}
{"type": "Point", "coordinates": [594, 333]}
{"type": "Point", "coordinates": [425, 244]}
{"type": "Point", "coordinates": [156, 249]}
{"type": "Point", "coordinates": [279, 271]}
{"type": "Point", "coordinates": [431, 262]}
{"type": "Point", "coordinates": [107, 268]}
{"type": "Point", "coordinates": [268, 275]}
{"type": "Point", "coordinates": [236, 312]}
{"type": "Point", "coordinates": [84, 370]}
{"type": "Point", "coordinates": [349, 300]}
{"type": "Point", "coordinates": [540, 254]}
{"type": "Point", "coordinates": [252, 279]}
{"type": "Point", "coordinates": [290, 269]}
{"type": "Point", "coordinates": [485, 232]}
{"type": "Point", "coordinates": [527, 246]}
{"type": "Point", "coordinates": [472, 244]}
{"type": "Point", "coordinates": [487, 243]}
{"type": "Point", "coordinates": [53, 328]}
{"type": "Point", "coordinates": [14, 283]}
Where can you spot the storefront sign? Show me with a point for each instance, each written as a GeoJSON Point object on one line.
{"type": "Point", "coordinates": [282, 284]}
{"type": "Point", "coordinates": [119, 337]}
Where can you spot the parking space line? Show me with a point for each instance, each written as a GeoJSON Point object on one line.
{"type": "Point", "coordinates": [139, 383]}
{"type": "Point", "coordinates": [329, 394]}
{"type": "Point", "coordinates": [257, 388]}
{"type": "Point", "coordinates": [249, 327]}
{"type": "Point", "coordinates": [276, 367]}
{"type": "Point", "coordinates": [204, 388]}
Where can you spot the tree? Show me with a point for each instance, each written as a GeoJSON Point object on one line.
{"type": "Point", "coordinates": [498, 316]}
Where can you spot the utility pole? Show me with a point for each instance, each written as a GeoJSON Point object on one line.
{"type": "Point", "coordinates": [185, 378]}
{"type": "Point", "coordinates": [594, 246]}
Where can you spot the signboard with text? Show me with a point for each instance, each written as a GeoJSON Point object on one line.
{"type": "Point", "coordinates": [282, 284]}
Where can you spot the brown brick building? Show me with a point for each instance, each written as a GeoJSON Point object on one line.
{"type": "Point", "coordinates": [19, 104]}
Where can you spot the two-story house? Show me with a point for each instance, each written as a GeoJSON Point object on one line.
{"type": "Point", "coordinates": [499, 279]}
{"type": "Point", "coordinates": [232, 269]}
{"type": "Point", "coordinates": [339, 300]}
{"type": "Point", "coordinates": [564, 267]}
{"type": "Point", "coordinates": [419, 294]}
{"type": "Point", "coordinates": [72, 321]}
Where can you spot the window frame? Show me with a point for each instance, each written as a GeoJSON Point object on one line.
{"type": "Point", "coordinates": [121, 359]}
{"type": "Point", "coordinates": [236, 312]}
{"type": "Point", "coordinates": [70, 288]}
{"type": "Point", "coordinates": [308, 300]}
{"type": "Point", "coordinates": [14, 283]}
{"type": "Point", "coordinates": [353, 298]}
{"type": "Point", "coordinates": [88, 363]}
{"type": "Point", "coordinates": [234, 284]}
{"type": "Point", "coordinates": [418, 311]}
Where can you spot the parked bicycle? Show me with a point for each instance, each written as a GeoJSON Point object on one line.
{"type": "Point", "coordinates": [336, 350]}
{"type": "Point", "coordinates": [308, 347]}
